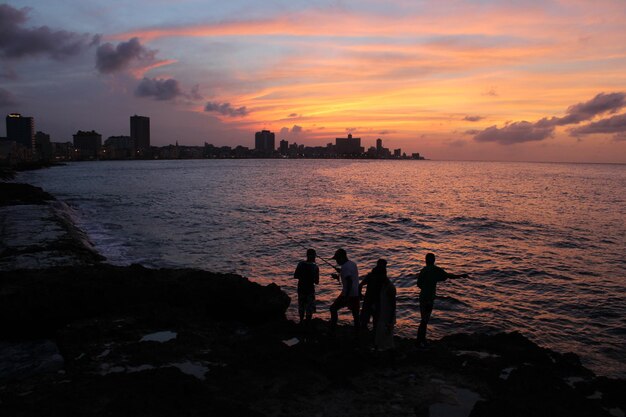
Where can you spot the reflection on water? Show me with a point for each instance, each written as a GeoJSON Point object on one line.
{"type": "Point", "coordinates": [544, 243]}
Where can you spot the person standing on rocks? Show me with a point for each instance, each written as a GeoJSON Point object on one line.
{"type": "Point", "coordinates": [427, 281]}
{"type": "Point", "coordinates": [308, 276]}
{"type": "Point", "coordinates": [349, 297]}
{"type": "Point", "coordinates": [386, 314]}
{"type": "Point", "coordinates": [371, 301]}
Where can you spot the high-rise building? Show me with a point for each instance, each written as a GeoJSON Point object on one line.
{"type": "Point", "coordinates": [87, 144]}
{"type": "Point", "coordinates": [43, 146]}
{"type": "Point", "coordinates": [264, 142]}
{"type": "Point", "coordinates": [379, 145]}
{"type": "Point", "coordinates": [140, 132]}
{"type": "Point", "coordinates": [284, 147]}
{"type": "Point", "coordinates": [348, 146]}
{"type": "Point", "coordinates": [21, 130]}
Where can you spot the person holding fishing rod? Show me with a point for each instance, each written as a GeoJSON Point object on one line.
{"type": "Point", "coordinates": [308, 275]}
{"type": "Point", "coordinates": [427, 280]}
{"type": "Point", "coordinates": [349, 297]}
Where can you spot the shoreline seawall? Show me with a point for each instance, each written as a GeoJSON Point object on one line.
{"type": "Point", "coordinates": [79, 336]}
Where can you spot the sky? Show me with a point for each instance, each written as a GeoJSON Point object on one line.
{"type": "Point", "coordinates": [524, 80]}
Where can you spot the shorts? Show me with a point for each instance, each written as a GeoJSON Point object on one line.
{"type": "Point", "coordinates": [306, 303]}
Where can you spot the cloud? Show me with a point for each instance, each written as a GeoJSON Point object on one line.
{"type": "Point", "coordinates": [284, 131]}
{"type": "Point", "coordinates": [524, 131]}
{"type": "Point", "coordinates": [473, 118]}
{"type": "Point", "coordinates": [386, 132]}
{"type": "Point", "coordinates": [516, 132]}
{"type": "Point", "coordinates": [491, 92]}
{"type": "Point", "coordinates": [18, 42]}
{"type": "Point", "coordinates": [457, 143]}
{"type": "Point", "coordinates": [110, 59]}
{"type": "Point", "coordinates": [159, 89]}
{"type": "Point", "coordinates": [602, 103]}
{"type": "Point", "coordinates": [6, 98]}
{"type": "Point", "coordinates": [296, 129]}
{"type": "Point", "coordinates": [292, 115]}
{"type": "Point", "coordinates": [226, 109]}
{"type": "Point", "coordinates": [615, 124]}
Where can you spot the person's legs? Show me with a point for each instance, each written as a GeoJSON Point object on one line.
{"type": "Point", "coordinates": [366, 313]}
{"type": "Point", "coordinates": [354, 307]}
{"type": "Point", "coordinates": [334, 308]}
{"type": "Point", "coordinates": [426, 309]}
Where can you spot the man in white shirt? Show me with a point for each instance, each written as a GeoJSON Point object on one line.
{"type": "Point", "coordinates": [349, 297]}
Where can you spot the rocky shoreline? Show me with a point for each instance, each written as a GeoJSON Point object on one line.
{"type": "Point", "coordinates": [81, 337]}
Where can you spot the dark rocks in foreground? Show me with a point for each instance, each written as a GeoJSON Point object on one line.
{"type": "Point", "coordinates": [37, 303]}
{"type": "Point", "coordinates": [16, 193]}
{"type": "Point", "coordinates": [132, 341]}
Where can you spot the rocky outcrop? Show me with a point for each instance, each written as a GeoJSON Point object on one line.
{"type": "Point", "coordinates": [37, 303]}
{"type": "Point", "coordinates": [16, 193]}
{"type": "Point", "coordinates": [37, 231]}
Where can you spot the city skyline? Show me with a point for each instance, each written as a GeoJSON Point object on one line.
{"type": "Point", "coordinates": [482, 80]}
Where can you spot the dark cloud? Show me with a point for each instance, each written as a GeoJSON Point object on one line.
{"type": "Point", "coordinates": [293, 115]}
{"type": "Point", "coordinates": [472, 132]}
{"type": "Point", "coordinates": [600, 104]}
{"type": "Point", "coordinates": [615, 124]}
{"type": "Point", "coordinates": [514, 133]}
{"type": "Point", "coordinates": [284, 131]}
{"type": "Point", "coordinates": [524, 131]}
{"type": "Point", "coordinates": [473, 118]}
{"type": "Point", "coordinates": [6, 98]}
{"type": "Point", "coordinates": [386, 132]}
{"type": "Point", "coordinates": [18, 42]}
{"type": "Point", "coordinates": [111, 58]}
{"type": "Point", "coordinates": [296, 129]}
{"type": "Point", "coordinates": [159, 89]}
{"type": "Point", "coordinates": [226, 109]}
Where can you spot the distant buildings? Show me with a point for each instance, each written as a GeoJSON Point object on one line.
{"type": "Point", "coordinates": [119, 147]}
{"type": "Point", "coordinates": [43, 146]}
{"type": "Point", "coordinates": [140, 133]}
{"type": "Point", "coordinates": [264, 142]}
{"type": "Point", "coordinates": [21, 130]}
{"type": "Point", "coordinates": [348, 146]}
{"type": "Point", "coordinates": [22, 145]}
{"type": "Point", "coordinates": [87, 144]}
{"type": "Point", "coordinates": [284, 147]}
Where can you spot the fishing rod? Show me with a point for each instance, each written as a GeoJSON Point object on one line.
{"type": "Point", "coordinates": [301, 245]}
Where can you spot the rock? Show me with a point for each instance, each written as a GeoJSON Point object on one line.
{"type": "Point", "coordinates": [16, 193]}
{"type": "Point", "coordinates": [36, 303]}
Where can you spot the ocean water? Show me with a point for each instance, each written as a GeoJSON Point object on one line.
{"type": "Point", "coordinates": [545, 244]}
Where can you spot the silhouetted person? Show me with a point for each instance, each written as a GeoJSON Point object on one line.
{"type": "Point", "coordinates": [308, 276]}
{"type": "Point", "coordinates": [427, 281]}
{"type": "Point", "coordinates": [384, 324]}
{"type": "Point", "coordinates": [371, 301]}
{"type": "Point", "coordinates": [349, 297]}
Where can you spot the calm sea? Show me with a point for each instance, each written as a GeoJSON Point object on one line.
{"type": "Point", "coordinates": [545, 244]}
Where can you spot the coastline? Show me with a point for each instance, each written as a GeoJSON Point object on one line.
{"type": "Point", "coordinates": [80, 336]}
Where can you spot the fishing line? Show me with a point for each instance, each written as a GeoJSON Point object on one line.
{"type": "Point", "coordinates": [299, 244]}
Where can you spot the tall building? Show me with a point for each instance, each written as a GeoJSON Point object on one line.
{"type": "Point", "coordinates": [379, 146]}
{"type": "Point", "coordinates": [284, 147]}
{"type": "Point", "coordinates": [21, 130]}
{"type": "Point", "coordinates": [264, 142]}
{"type": "Point", "coordinates": [43, 146]}
{"type": "Point", "coordinates": [87, 144]}
{"type": "Point", "coordinates": [140, 132]}
{"type": "Point", "coordinates": [348, 146]}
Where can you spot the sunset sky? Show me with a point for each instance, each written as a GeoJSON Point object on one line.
{"type": "Point", "coordinates": [536, 80]}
